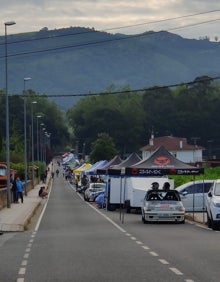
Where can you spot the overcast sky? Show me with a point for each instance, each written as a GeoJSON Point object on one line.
{"type": "Point", "coordinates": [114, 15]}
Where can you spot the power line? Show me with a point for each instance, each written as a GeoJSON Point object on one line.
{"type": "Point", "coordinates": [203, 79]}
{"type": "Point", "coordinates": [115, 28]}
{"type": "Point", "coordinates": [105, 40]}
{"type": "Point", "coordinates": [164, 20]}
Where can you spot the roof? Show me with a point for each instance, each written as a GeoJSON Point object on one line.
{"type": "Point", "coordinates": [162, 162]}
{"type": "Point", "coordinates": [94, 167]}
{"type": "Point", "coordinates": [116, 160]}
{"type": "Point", "coordinates": [171, 144]}
{"type": "Point", "coordinates": [132, 159]}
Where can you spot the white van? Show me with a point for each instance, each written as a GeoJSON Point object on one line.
{"type": "Point", "coordinates": [213, 205]}
{"type": "Point", "coordinates": [193, 194]}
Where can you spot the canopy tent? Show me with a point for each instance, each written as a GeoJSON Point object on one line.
{"type": "Point", "coordinates": [117, 169]}
{"type": "Point", "coordinates": [94, 167]}
{"type": "Point", "coordinates": [83, 167]}
{"type": "Point", "coordinates": [67, 157]}
{"type": "Point", "coordinates": [160, 163]}
{"type": "Point", "coordinates": [116, 160]}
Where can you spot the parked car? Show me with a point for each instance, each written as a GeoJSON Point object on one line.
{"type": "Point", "coordinates": [162, 205]}
{"type": "Point", "coordinates": [93, 191]}
{"type": "Point", "coordinates": [213, 205]}
{"type": "Point", "coordinates": [193, 194]}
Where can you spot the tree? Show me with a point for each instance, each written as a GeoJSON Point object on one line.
{"type": "Point", "coordinates": [103, 148]}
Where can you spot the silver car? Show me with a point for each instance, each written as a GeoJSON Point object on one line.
{"type": "Point", "coordinates": [162, 205]}
{"type": "Point", "coordinates": [93, 191]}
{"type": "Point", "coordinates": [193, 194]}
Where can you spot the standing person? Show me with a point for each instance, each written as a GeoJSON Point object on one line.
{"type": "Point", "coordinates": [57, 172]}
{"type": "Point", "coordinates": [19, 186]}
{"type": "Point", "coordinates": [14, 191]}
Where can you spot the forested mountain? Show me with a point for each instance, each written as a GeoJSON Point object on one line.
{"type": "Point", "coordinates": [80, 60]}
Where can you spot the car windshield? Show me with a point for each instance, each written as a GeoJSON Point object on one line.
{"type": "Point", "coordinates": [217, 189]}
{"type": "Point", "coordinates": [162, 195]}
{"type": "Point", "coordinates": [98, 185]}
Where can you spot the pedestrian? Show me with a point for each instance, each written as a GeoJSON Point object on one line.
{"type": "Point", "coordinates": [57, 172]}
{"type": "Point", "coordinates": [14, 191]}
{"type": "Point", "coordinates": [19, 186]}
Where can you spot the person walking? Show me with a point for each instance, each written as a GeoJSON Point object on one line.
{"type": "Point", "coordinates": [19, 186]}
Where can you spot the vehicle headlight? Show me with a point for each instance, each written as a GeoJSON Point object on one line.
{"type": "Point", "coordinates": [216, 204]}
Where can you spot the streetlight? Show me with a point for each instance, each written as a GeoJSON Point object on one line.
{"type": "Point", "coordinates": [25, 135]}
{"type": "Point", "coordinates": [7, 117]}
{"type": "Point", "coordinates": [32, 140]}
{"type": "Point", "coordinates": [38, 116]}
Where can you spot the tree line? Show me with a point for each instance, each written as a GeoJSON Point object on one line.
{"type": "Point", "coordinates": [124, 119]}
{"type": "Point", "coordinates": [189, 111]}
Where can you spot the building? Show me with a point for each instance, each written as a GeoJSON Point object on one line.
{"type": "Point", "coordinates": [177, 146]}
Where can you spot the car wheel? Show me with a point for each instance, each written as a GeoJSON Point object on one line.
{"type": "Point", "coordinates": [209, 222]}
{"type": "Point", "coordinates": [214, 225]}
{"type": "Point", "coordinates": [143, 219]}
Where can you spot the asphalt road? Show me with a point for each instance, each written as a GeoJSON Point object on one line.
{"type": "Point", "coordinates": [76, 241]}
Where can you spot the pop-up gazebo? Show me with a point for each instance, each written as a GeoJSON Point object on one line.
{"type": "Point", "coordinates": [160, 163]}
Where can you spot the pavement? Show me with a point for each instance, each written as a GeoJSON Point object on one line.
{"type": "Point", "coordinates": [17, 217]}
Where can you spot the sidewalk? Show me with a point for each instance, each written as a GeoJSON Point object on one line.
{"type": "Point", "coordinates": [17, 217]}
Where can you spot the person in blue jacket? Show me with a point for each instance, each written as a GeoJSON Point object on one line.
{"type": "Point", "coordinates": [19, 186]}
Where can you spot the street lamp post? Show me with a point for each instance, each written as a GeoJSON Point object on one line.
{"type": "Point", "coordinates": [38, 158]}
{"type": "Point", "coordinates": [7, 117]}
{"type": "Point", "coordinates": [32, 140]}
{"type": "Point", "coordinates": [25, 135]}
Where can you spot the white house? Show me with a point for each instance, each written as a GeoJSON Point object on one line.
{"type": "Point", "coordinates": [177, 146]}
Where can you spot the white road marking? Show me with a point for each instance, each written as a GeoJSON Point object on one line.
{"type": "Point", "coordinates": [20, 280]}
{"type": "Point", "coordinates": [139, 242]}
{"type": "Point", "coordinates": [163, 261]}
{"type": "Point", "coordinates": [176, 271]}
{"type": "Point", "coordinates": [26, 256]}
{"type": "Point", "coordinates": [133, 238]}
{"type": "Point", "coordinates": [145, 247]}
{"type": "Point", "coordinates": [24, 262]}
{"type": "Point", "coordinates": [28, 250]}
{"type": "Point", "coordinates": [154, 254]}
{"type": "Point", "coordinates": [22, 271]}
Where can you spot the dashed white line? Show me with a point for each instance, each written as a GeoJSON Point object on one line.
{"type": "Point", "coordinates": [24, 262]}
{"type": "Point", "coordinates": [20, 280]}
{"type": "Point", "coordinates": [139, 242]}
{"type": "Point", "coordinates": [26, 256]}
{"type": "Point", "coordinates": [133, 238]}
{"type": "Point", "coordinates": [163, 261]}
{"type": "Point", "coordinates": [28, 250]}
{"type": "Point", "coordinates": [22, 271]}
{"type": "Point", "coordinates": [176, 271]}
{"type": "Point", "coordinates": [145, 247]}
{"type": "Point", "coordinates": [154, 254]}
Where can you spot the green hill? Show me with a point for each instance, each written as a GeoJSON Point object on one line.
{"type": "Point", "coordinates": [79, 60]}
